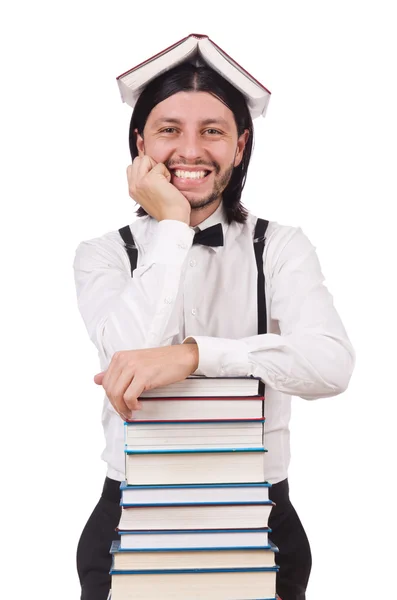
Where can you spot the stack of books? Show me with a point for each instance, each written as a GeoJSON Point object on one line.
{"type": "Point", "coordinates": [195, 506]}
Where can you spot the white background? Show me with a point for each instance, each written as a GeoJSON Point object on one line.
{"type": "Point", "coordinates": [324, 159]}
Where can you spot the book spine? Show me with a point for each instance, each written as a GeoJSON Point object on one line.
{"type": "Point", "coordinates": [189, 486]}
{"type": "Point", "coordinates": [171, 504]}
{"type": "Point", "coordinates": [259, 398]}
{"type": "Point", "coordinates": [193, 421]}
{"type": "Point", "coordinates": [225, 570]}
{"type": "Point", "coordinates": [195, 451]}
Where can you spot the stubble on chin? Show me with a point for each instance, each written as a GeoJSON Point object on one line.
{"type": "Point", "coordinates": [219, 187]}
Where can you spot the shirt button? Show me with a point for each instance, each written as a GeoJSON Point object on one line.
{"type": "Point", "coordinates": [183, 246]}
{"type": "Point", "coordinates": [194, 311]}
{"type": "Point", "coordinates": [192, 263]}
{"type": "Point", "coordinates": [168, 300]}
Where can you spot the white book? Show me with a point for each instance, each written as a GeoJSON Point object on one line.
{"type": "Point", "coordinates": [194, 538]}
{"type": "Point", "coordinates": [179, 435]}
{"type": "Point", "coordinates": [197, 466]}
{"type": "Point", "coordinates": [188, 409]}
{"type": "Point", "coordinates": [216, 516]}
{"type": "Point", "coordinates": [190, 558]}
{"type": "Point", "coordinates": [201, 585]}
{"type": "Point", "coordinates": [201, 386]}
{"type": "Point", "coordinates": [185, 494]}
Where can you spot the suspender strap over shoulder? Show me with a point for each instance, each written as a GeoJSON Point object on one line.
{"type": "Point", "coordinates": [129, 243]}
{"type": "Point", "coordinates": [259, 244]}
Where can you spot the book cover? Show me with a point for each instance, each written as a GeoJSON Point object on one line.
{"type": "Point", "coordinates": [195, 451]}
{"type": "Point", "coordinates": [198, 49]}
{"type": "Point", "coordinates": [195, 571]}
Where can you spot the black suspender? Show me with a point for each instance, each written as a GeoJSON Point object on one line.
{"type": "Point", "coordinates": [259, 243]}
{"type": "Point", "coordinates": [129, 244]}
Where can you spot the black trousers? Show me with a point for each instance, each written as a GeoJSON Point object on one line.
{"type": "Point", "coordinates": [94, 560]}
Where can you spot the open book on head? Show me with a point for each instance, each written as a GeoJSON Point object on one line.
{"type": "Point", "coordinates": [200, 50]}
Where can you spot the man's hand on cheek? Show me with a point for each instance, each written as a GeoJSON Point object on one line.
{"type": "Point", "coordinates": [132, 372]}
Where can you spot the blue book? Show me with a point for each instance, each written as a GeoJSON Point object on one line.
{"type": "Point", "coordinates": [192, 558]}
{"type": "Point", "coordinates": [175, 435]}
{"type": "Point", "coordinates": [194, 493]}
{"type": "Point", "coordinates": [192, 466]}
{"type": "Point", "coordinates": [194, 538]}
{"type": "Point", "coordinates": [192, 516]}
{"type": "Point", "coordinates": [211, 584]}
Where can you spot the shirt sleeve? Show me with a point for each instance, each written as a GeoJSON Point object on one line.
{"type": "Point", "coordinates": [121, 312]}
{"type": "Point", "coordinates": [312, 356]}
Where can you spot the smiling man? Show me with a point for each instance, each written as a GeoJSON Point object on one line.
{"type": "Point", "coordinates": [214, 307]}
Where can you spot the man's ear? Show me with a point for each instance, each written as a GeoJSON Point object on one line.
{"type": "Point", "coordinates": [241, 143]}
{"type": "Point", "coordinates": [139, 143]}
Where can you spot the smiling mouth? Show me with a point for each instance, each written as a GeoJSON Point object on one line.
{"type": "Point", "coordinates": [190, 175]}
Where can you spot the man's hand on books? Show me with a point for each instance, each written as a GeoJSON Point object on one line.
{"type": "Point", "coordinates": [149, 185]}
{"type": "Point", "coordinates": [132, 372]}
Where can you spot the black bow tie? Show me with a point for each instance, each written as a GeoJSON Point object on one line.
{"type": "Point", "coordinates": [212, 236]}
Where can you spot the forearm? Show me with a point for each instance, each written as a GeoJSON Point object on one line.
{"type": "Point", "coordinates": [309, 365]}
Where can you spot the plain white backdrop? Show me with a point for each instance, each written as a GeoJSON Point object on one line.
{"type": "Point", "coordinates": [324, 159]}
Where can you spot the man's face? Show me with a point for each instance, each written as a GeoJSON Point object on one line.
{"type": "Point", "coordinates": [195, 135]}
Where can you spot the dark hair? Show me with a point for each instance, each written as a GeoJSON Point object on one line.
{"type": "Point", "coordinates": [188, 77]}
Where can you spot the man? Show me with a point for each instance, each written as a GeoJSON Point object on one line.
{"type": "Point", "coordinates": [192, 308]}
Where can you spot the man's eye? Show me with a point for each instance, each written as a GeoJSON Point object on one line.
{"type": "Point", "coordinates": [168, 130]}
{"type": "Point", "coordinates": [213, 131]}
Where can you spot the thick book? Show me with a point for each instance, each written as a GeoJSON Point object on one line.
{"type": "Point", "coordinates": [194, 538]}
{"type": "Point", "coordinates": [191, 558]}
{"type": "Point", "coordinates": [214, 465]}
{"type": "Point", "coordinates": [190, 516]}
{"type": "Point", "coordinates": [205, 584]}
{"type": "Point", "coordinates": [200, 386]}
{"type": "Point", "coordinates": [182, 434]}
{"type": "Point", "coordinates": [198, 49]}
{"type": "Point", "coordinates": [193, 494]}
{"type": "Point", "coordinates": [198, 409]}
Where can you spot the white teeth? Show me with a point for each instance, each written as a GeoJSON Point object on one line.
{"type": "Point", "coordinates": [190, 174]}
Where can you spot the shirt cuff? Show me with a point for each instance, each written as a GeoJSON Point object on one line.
{"type": "Point", "coordinates": [172, 242]}
{"type": "Point", "coordinates": [221, 357]}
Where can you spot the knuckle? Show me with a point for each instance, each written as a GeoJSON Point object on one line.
{"type": "Point", "coordinates": [141, 184]}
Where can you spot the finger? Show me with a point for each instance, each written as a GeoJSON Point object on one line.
{"type": "Point", "coordinates": [133, 391]}
{"type": "Point", "coordinates": [132, 174]}
{"type": "Point", "coordinates": [161, 169]}
{"type": "Point", "coordinates": [124, 411]}
{"type": "Point", "coordinates": [121, 408]}
{"type": "Point", "coordinates": [112, 375]}
{"type": "Point", "coordinates": [120, 386]}
{"type": "Point", "coordinates": [98, 378]}
{"type": "Point", "coordinates": [146, 164]}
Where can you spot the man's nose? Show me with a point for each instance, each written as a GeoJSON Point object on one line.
{"type": "Point", "coordinates": [190, 146]}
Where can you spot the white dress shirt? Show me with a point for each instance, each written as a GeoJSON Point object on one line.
{"type": "Point", "coordinates": [182, 292]}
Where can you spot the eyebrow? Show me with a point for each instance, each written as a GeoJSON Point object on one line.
{"type": "Point", "coordinates": [203, 123]}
